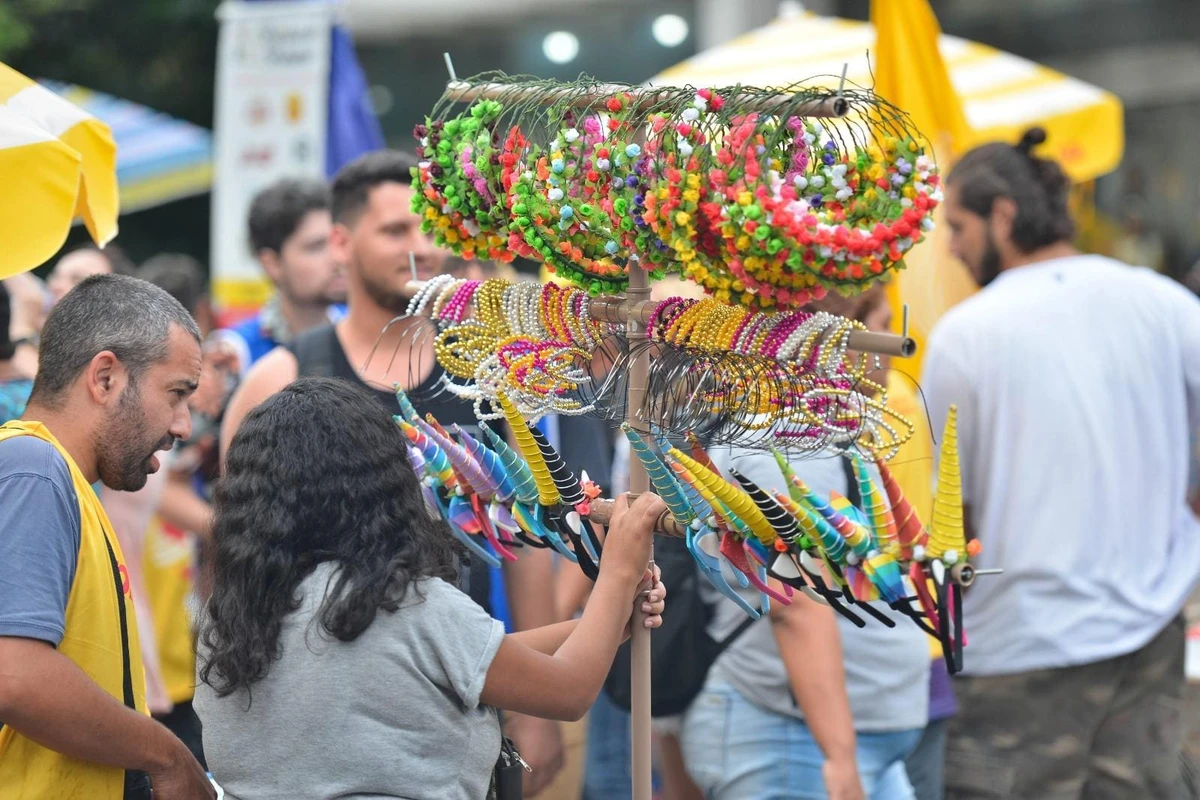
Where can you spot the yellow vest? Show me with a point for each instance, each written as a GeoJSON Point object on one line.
{"type": "Point", "coordinates": [92, 641]}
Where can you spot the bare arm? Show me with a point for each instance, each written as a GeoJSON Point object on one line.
{"type": "Point", "coordinates": [273, 372]}
{"type": "Point", "coordinates": [811, 648]}
{"type": "Point", "coordinates": [50, 700]}
{"type": "Point", "coordinates": [519, 675]}
{"type": "Point", "coordinates": [546, 639]}
{"type": "Point", "coordinates": [182, 508]}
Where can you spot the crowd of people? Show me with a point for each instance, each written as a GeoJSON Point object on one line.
{"type": "Point", "coordinates": [220, 528]}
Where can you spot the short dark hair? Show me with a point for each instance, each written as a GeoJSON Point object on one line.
{"type": "Point", "coordinates": [277, 211]}
{"type": "Point", "coordinates": [1038, 187]}
{"type": "Point", "coordinates": [179, 275]}
{"type": "Point", "coordinates": [118, 262]}
{"type": "Point", "coordinates": [125, 315]}
{"type": "Point", "coordinates": [273, 524]}
{"type": "Point", "coordinates": [354, 182]}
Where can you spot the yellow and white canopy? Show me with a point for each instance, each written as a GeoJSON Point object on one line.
{"type": "Point", "coordinates": [57, 163]}
{"type": "Point", "coordinates": [1002, 94]}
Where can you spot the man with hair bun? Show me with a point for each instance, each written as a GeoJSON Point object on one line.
{"type": "Point", "coordinates": [1077, 382]}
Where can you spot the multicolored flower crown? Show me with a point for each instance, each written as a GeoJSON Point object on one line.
{"type": "Point", "coordinates": [769, 211]}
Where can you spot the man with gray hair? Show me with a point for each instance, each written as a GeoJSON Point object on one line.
{"type": "Point", "coordinates": [119, 360]}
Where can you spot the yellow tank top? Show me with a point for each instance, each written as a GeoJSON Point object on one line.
{"type": "Point", "coordinates": [93, 641]}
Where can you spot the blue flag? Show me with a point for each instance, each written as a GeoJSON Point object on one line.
{"type": "Point", "coordinates": [353, 127]}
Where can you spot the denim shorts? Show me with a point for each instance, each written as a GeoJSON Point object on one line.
{"type": "Point", "coordinates": [737, 750]}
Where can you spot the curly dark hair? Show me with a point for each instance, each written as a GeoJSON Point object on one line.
{"type": "Point", "coordinates": [318, 472]}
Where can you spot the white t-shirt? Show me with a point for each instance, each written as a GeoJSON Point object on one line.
{"type": "Point", "coordinates": [1077, 383]}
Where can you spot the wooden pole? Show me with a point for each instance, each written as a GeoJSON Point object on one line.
{"type": "Point", "coordinates": [641, 749]}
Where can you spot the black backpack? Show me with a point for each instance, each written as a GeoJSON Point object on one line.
{"type": "Point", "coordinates": [681, 651]}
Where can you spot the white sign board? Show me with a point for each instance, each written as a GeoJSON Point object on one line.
{"type": "Point", "coordinates": [270, 119]}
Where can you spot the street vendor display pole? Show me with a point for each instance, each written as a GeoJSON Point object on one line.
{"type": "Point", "coordinates": [641, 749]}
{"type": "Point", "coordinates": [632, 311]}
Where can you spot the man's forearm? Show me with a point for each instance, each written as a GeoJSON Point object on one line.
{"type": "Point", "coordinates": [47, 698]}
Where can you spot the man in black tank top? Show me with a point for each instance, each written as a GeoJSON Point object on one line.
{"type": "Point", "coordinates": [374, 235]}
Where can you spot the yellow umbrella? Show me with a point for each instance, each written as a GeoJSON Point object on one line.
{"type": "Point", "coordinates": [56, 163]}
{"type": "Point", "coordinates": [1001, 94]}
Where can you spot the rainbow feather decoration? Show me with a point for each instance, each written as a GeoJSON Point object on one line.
{"type": "Point", "coordinates": [947, 539]}
{"type": "Point", "coordinates": [548, 494]}
{"type": "Point", "coordinates": [436, 461]}
{"type": "Point", "coordinates": [910, 531]}
{"type": "Point", "coordinates": [477, 480]}
{"type": "Point", "coordinates": [736, 500]}
{"type": "Point", "coordinates": [665, 484]}
{"type": "Point", "coordinates": [524, 486]}
{"type": "Point", "coordinates": [879, 513]}
{"type": "Point", "coordinates": [489, 461]}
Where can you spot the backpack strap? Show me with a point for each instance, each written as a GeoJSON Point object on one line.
{"type": "Point", "coordinates": [137, 783]}
{"type": "Point", "coordinates": [314, 352]}
{"type": "Point", "coordinates": [742, 627]}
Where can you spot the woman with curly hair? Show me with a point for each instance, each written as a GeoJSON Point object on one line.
{"type": "Point", "coordinates": [337, 658]}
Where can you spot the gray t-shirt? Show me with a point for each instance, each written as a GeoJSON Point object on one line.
{"type": "Point", "coordinates": [394, 713]}
{"type": "Point", "coordinates": [887, 669]}
{"type": "Point", "coordinates": [39, 539]}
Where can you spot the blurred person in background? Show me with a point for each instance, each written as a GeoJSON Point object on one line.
{"type": "Point", "coordinates": [289, 226]}
{"type": "Point", "coordinates": [374, 234]}
{"type": "Point", "coordinates": [81, 262]}
{"type": "Point", "coordinates": [15, 383]}
{"type": "Point", "coordinates": [1077, 383]}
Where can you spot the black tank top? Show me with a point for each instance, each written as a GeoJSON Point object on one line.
{"type": "Point", "coordinates": [319, 353]}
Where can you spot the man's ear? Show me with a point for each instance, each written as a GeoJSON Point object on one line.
{"type": "Point", "coordinates": [269, 260]}
{"type": "Point", "coordinates": [1002, 219]}
{"type": "Point", "coordinates": [105, 378]}
{"type": "Point", "coordinates": [339, 243]}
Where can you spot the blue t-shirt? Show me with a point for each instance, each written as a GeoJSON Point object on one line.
{"type": "Point", "coordinates": [39, 539]}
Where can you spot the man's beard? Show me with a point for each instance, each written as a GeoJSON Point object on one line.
{"type": "Point", "coordinates": [989, 265]}
{"type": "Point", "coordinates": [383, 295]}
{"type": "Point", "coordinates": [122, 453]}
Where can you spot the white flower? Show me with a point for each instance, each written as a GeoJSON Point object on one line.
{"type": "Point", "coordinates": [839, 169]}
{"type": "Point", "coordinates": [843, 194]}
{"type": "Point", "coordinates": [554, 195]}
{"type": "Point", "coordinates": [700, 103]}
{"type": "Point", "coordinates": [817, 181]}
{"type": "Point", "coordinates": [905, 202]}
{"type": "Point", "coordinates": [685, 149]}
{"type": "Point", "coordinates": [809, 138]}
{"type": "Point", "coordinates": [826, 251]}
{"type": "Point", "coordinates": [800, 182]}
{"type": "Point", "coordinates": [927, 224]}
{"type": "Point", "coordinates": [691, 114]}
{"type": "Point", "coordinates": [570, 134]}
{"type": "Point", "coordinates": [602, 164]}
